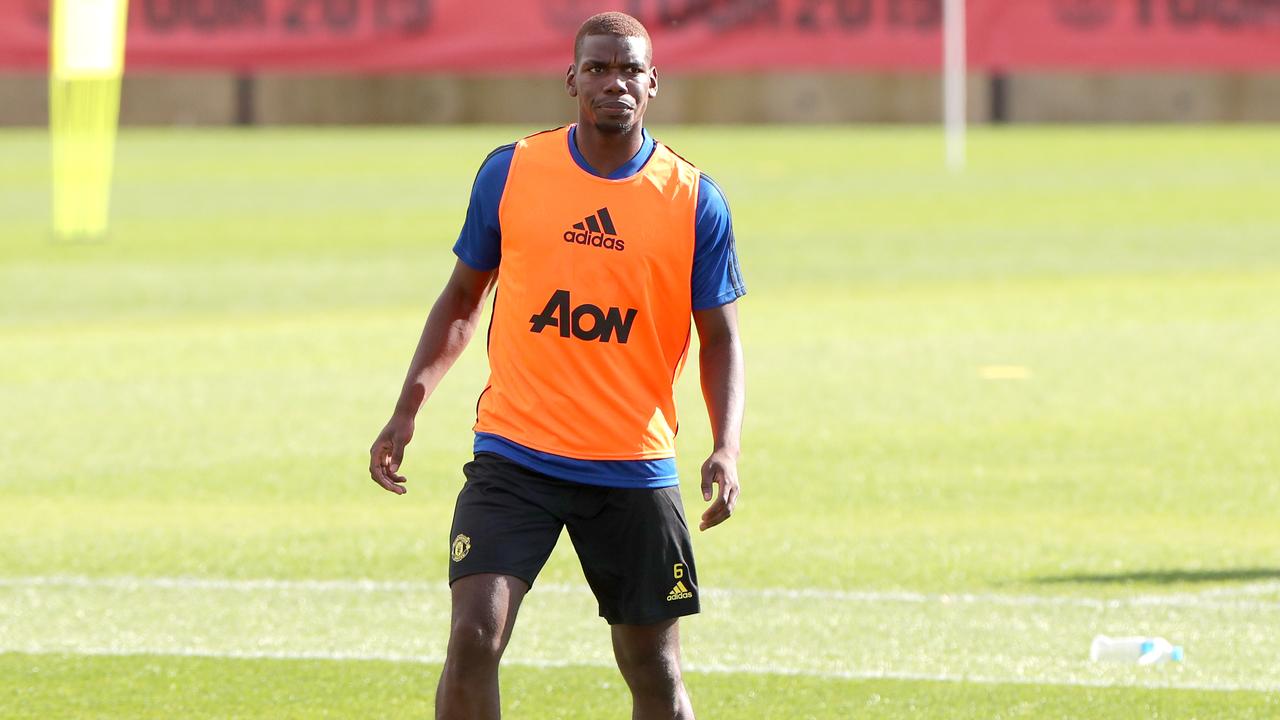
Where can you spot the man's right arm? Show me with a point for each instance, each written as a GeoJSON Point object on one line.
{"type": "Point", "coordinates": [448, 329]}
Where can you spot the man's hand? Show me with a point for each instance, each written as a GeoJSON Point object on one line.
{"type": "Point", "coordinates": [719, 469]}
{"type": "Point", "coordinates": [388, 451]}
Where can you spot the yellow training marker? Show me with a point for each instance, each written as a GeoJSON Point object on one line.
{"type": "Point", "coordinates": [86, 62]}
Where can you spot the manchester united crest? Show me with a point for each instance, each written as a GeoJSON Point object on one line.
{"type": "Point", "coordinates": [461, 546]}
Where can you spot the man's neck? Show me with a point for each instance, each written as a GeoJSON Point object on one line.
{"type": "Point", "coordinates": [606, 152]}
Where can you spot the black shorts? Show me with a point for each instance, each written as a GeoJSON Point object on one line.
{"type": "Point", "coordinates": [633, 543]}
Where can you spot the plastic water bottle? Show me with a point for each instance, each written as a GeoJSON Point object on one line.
{"type": "Point", "coordinates": [1141, 650]}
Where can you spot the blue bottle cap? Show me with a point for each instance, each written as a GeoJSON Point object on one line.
{"type": "Point", "coordinates": [1177, 653]}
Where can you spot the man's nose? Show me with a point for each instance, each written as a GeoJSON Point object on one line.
{"type": "Point", "coordinates": [617, 84]}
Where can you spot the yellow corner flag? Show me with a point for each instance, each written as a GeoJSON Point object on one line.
{"type": "Point", "coordinates": [86, 62]}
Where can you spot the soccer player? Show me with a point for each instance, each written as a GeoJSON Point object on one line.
{"type": "Point", "coordinates": [603, 243]}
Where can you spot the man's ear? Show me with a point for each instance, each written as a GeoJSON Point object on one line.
{"type": "Point", "coordinates": [569, 82]}
{"type": "Point", "coordinates": [653, 82]}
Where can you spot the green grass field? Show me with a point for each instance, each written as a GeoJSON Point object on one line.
{"type": "Point", "coordinates": [989, 417]}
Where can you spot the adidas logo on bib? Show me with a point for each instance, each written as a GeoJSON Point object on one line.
{"type": "Point", "coordinates": [595, 230]}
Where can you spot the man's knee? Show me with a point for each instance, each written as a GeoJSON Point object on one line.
{"type": "Point", "coordinates": [649, 659]}
{"type": "Point", "coordinates": [655, 673]}
{"type": "Point", "coordinates": [477, 640]}
{"type": "Point", "coordinates": [484, 609]}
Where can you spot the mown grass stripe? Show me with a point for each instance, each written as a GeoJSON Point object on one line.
{"type": "Point", "coordinates": [1205, 599]}
{"type": "Point", "coordinates": [691, 667]}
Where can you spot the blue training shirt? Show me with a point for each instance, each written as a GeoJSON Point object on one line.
{"type": "Point", "coordinates": [716, 280]}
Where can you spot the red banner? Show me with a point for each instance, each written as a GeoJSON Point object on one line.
{"type": "Point", "coordinates": [534, 36]}
{"type": "Point", "coordinates": [1125, 34]}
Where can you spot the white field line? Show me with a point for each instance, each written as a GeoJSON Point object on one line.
{"type": "Point", "coordinates": [1249, 589]}
{"type": "Point", "coordinates": [706, 668]}
{"type": "Point", "coordinates": [1209, 599]}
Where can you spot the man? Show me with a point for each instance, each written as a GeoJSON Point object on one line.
{"type": "Point", "coordinates": [606, 243]}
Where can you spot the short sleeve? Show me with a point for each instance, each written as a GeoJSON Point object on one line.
{"type": "Point", "coordinates": [717, 278]}
{"type": "Point", "coordinates": [479, 244]}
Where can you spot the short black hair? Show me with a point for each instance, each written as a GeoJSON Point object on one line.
{"type": "Point", "coordinates": [611, 23]}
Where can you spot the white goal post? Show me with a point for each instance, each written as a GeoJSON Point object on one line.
{"type": "Point", "coordinates": [954, 74]}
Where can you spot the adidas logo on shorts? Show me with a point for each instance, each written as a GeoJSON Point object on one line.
{"type": "Point", "coordinates": [679, 592]}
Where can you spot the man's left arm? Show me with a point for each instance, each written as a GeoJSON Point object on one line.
{"type": "Point", "coordinates": [724, 388]}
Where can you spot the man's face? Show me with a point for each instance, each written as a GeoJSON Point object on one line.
{"type": "Point", "coordinates": [613, 81]}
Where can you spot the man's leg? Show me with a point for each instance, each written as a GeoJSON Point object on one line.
{"type": "Point", "coordinates": [504, 529]}
{"type": "Point", "coordinates": [484, 612]}
{"type": "Point", "coordinates": [649, 658]}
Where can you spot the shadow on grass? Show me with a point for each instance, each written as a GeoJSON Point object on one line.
{"type": "Point", "coordinates": [1164, 577]}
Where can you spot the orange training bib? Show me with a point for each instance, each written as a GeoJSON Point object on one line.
{"type": "Point", "coordinates": [591, 319]}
